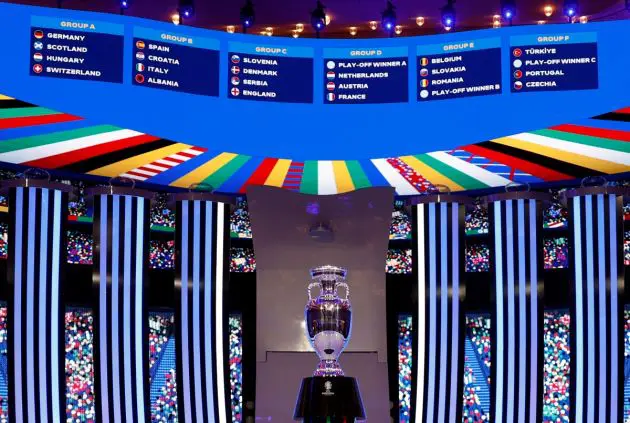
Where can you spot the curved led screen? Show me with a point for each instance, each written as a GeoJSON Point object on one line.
{"type": "Point", "coordinates": [307, 99]}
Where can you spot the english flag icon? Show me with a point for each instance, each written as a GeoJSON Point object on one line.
{"type": "Point", "coordinates": [38, 68]}
{"type": "Point", "coordinates": [236, 70]}
{"type": "Point", "coordinates": [235, 91]}
{"type": "Point", "coordinates": [39, 34]}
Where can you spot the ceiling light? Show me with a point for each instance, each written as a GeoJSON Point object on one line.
{"type": "Point", "coordinates": [175, 18]}
{"type": "Point", "coordinates": [398, 29]}
{"type": "Point", "coordinates": [295, 33]}
{"type": "Point", "coordinates": [496, 24]}
{"type": "Point", "coordinates": [420, 20]}
{"type": "Point", "coordinates": [328, 19]}
{"type": "Point", "coordinates": [230, 29]}
{"type": "Point", "coordinates": [570, 9]}
{"type": "Point", "coordinates": [373, 25]}
{"type": "Point", "coordinates": [318, 18]}
{"type": "Point", "coordinates": [299, 27]}
{"type": "Point", "coordinates": [353, 30]}
{"type": "Point", "coordinates": [583, 19]}
{"type": "Point", "coordinates": [448, 15]}
{"type": "Point", "coordinates": [548, 10]}
{"type": "Point", "coordinates": [388, 18]}
{"type": "Point", "coordinates": [248, 17]}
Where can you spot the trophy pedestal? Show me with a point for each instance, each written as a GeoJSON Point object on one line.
{"type": "Point", "coordinates": [329, 400]}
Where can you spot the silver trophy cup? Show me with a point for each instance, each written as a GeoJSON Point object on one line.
{"type": "Point", "coordinates": [328, 318]}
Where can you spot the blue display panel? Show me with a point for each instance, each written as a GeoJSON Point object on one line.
{"type": "Point", "coordinates": [270, 73]}
{"type": "Point", "coordinates": [351, 132]}
{"type": "Point", "coordinates": [175, 62]}
{"type": "Point", "coordinates": [555, 62]}
{"type": "Point", "coordinates": [463, 69]}
{"type": "Point", "coordinates": [76, 49]}
{"type": "Point", "coordinates": [370, 75]}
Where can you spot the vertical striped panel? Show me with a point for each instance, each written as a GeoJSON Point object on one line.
{"type": "Point", "coordinates": [121, 366]}
{"type": "Point", "coordinates": [597, 308]}
{"type": "Point", "coordinates": [517, 350]}
{"type": "Point", "coordinates": [439, 335]}
{"type": "Point", "coordinates": [36, 320]}
{"type": "Point", "coordinates": [201, 239]}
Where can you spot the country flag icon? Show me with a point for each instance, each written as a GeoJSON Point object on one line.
{"type": "Point", "coordinates": [235, 70]}
{"type": "Point", "coordinates": [236, 58]}
{"type": "Point", "coordinates": [330, 96]}
{"type": "Point", "coordinates": [330, 65]}
{"type": "Point", "coordinates": [38, 68]}
{"type": "Point", "coordinates": [140, 44]}
{"type": "Point", "coordinates": [39, 34]}
{"type": "Point", "coordinates": [330, 86]}
{"type": "Point", "coordinates": [517, 63]}
{"type": "Point", "coordinates": [235, 92]}
{"type": "Point", "coordinates": [424, 61]}
{"type": "Point", "coordinates": [518, 74]}
{"type": "Point", "coordinates": [235, 80]}
{"type": "Point", "coordinates": [424, 83]}
{"type": "Point", "coordinates": [140, 55]}
{"type": "Point", "coordinates": [517, 52]}
{"type": "Point", "coordinates": [140, 67]}
{"type": "Point", "coordinates": [424, 94]}
{"type": "Point", "coordinates": [424, 72]}
{"type": "Point", "coordinates": [38, 57]}
{"type": "Point", "coordinates": [330, 75]}
{"type": "Point", "coordinates": [38, 45]}
{"type": "Point", "coordinates": [139, 78]}
{"type": "Point", "coordinates": [518, 85]}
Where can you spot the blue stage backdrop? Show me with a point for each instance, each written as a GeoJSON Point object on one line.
{"type": "Point", "coordinates": [308, 99]}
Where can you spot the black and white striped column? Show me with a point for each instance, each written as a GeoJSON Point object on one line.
{"type": "Point", "coordinates": [202, 269]}
{"type": "Point", "coordinates": [438, 267]}
{"type": "Point", "coordinates": [38, 212]}
{"type": "Point", "coordinates": [597, 307]}
{"type": "Point", "coordinates": [517, 266]}
{"type": "Point", "coordinates": [121, 366]}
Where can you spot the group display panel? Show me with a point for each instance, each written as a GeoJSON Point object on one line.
{"type": "Point", "coordinates": [94, 50]}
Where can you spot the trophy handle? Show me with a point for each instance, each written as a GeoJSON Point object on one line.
{"type": "Point", "coordinates": [312, 285]}
{"type": "Point", "coordinates": [346, 287]}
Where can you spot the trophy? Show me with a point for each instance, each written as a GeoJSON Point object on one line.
{"type": "Point", "coordinates": [328, 396]}
{"type": "Point", "coordinates": [328, 318]}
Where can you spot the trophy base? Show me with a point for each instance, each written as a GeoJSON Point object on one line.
{"type": "Point", "coordinates": [329, 400]}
